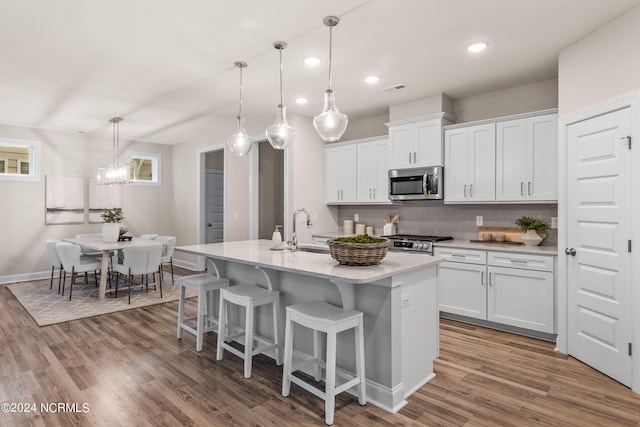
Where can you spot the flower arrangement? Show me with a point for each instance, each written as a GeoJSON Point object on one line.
{"type": "Point", "coordinates": [112, 215]}
{"type": "Point", "coordinates": [528, 223]}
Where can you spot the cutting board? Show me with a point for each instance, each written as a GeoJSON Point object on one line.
{"type": "Point", "coordinates": [511, 234]}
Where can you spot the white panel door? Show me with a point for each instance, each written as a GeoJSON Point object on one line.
{"type": "Point", "coordinates": [599, 226]}
{"type": "Point", "coordinates": [215, 206]}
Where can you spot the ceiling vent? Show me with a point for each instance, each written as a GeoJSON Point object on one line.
{"type": "Point", "coordinates": [394, 87]}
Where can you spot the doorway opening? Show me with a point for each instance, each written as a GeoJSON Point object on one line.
{"type": "Point", "coordinates": [268, 193]}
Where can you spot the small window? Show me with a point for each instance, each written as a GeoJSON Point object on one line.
{"type": "Point", "coordinates": [144, 168]}
{"type": "Point", "coordinates": [19, 160]}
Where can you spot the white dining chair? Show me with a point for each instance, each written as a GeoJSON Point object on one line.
{"type": "Point", "coordinates": [73, 262]}
{"type": "Point", "coordinates": [55, 261]}
{"type": "Point", "coordinates": [139, 261]}
{"type": "Point", "coordinates": [169, 243]}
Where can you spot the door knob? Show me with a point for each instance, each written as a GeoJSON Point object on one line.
{"type": "Point", "coordinates": [570, 251]}
{"type": "Point", "coordinates": [209, 225]}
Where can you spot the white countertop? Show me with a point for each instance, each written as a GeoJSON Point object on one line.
{"type": "Point", "coordinates": [503, 247]}
{"type": "Point", "coordinates": [258, 253]}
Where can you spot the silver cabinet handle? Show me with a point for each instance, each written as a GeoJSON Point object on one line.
{"type": "Point", "coordinates": [414, 157]}
{"type": "Point", "coordinates": [369, 193]}
{"type": "Point", "coordinates": [482, 277]}
{"type": "Point", "coordinates": [409, 158]}
{"type": "Point", "coordinates": [374, 193]}
{"type": "Point", "coordinates": [519, 261]}
{"type": "Point", "coordinates": [470, 190]}
{"type": "Point", "coordinates": [465, 190]}
{"type": "Point", "coordinates": [458, 256]}
{"type": "Point", "coordinates": [490, 279]}
{"type": "Point", "coordinates": [521, 188]}
{"type": "Point", "coordinates": [338, 195]}
{"type": "Point", "coordinates": [529, 187]}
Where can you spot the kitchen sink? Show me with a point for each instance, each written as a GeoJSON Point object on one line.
{"type": "Point", "coordinates": [317, 249]}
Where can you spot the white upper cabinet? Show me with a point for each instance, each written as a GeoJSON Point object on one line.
{"type": "Point", "coordinates": [507, 160]}
{"type": "Point", "coordinates": [373, 172]}
{"type": "Point", "coordinates": [417, 142]}
{"type": "Point", "coordinates": [526, 159]}
{"type": "Point", "coordinates": [357, 172]}
{"type": "Point", "coordinates": [340, 174]}
{"type": "Point", "coordinates": [469, 166]}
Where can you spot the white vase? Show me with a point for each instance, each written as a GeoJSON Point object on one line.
{"type": "Point", "coordinates": [531, 238]}
{"type": "Point", "coordinates": [110, 232]}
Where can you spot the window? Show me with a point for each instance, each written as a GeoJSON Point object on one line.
{"type": "Point", "coordinates": [144, 168]}
{"type": "Point", "coordinates": [19, 160]}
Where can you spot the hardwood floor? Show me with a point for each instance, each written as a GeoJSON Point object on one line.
{"type": "Point", "coordinates": [127, 368]}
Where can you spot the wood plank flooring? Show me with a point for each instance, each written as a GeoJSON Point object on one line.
{"type": "Point", "coordinates": [127, 369]}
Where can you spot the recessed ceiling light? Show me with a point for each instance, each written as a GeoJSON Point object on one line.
{"type": "Point", "coordinates": [372, 79]}
{"type": "Point", "coordinates": [301, 100]}
{"type": "Point", "coordinates": [477, 46]}
{"type": "Point", "coordinates": [312, 60]}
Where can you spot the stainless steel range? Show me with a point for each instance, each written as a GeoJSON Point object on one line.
{"type": "Point", "coordinates": [414, 243]}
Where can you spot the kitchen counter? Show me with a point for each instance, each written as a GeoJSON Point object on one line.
{"type": "Point", "coordinates": [504, 247]}
{"type": "Point", "coordinates": [398, 298]}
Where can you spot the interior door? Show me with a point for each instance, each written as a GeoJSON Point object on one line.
{"type": "Point", "coordinates": [599, 226]}
{"type": "Point", "coordinates": [215, 206]}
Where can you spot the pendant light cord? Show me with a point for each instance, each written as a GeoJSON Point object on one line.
{"type": "Point", "coordinates": [330, 45]}
{"type": "Point", "coordinates": [280, 49]}
{"type": "Point", "coordinates": [240, 103]}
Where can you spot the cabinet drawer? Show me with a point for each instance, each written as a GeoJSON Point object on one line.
{"type": "Point", "coordinates": [461, 255]}
{"type": "Point", "coordinates": [518, 260]}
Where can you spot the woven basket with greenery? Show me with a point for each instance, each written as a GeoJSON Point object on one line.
{"type": "Point", "coordinates": [358, 250]}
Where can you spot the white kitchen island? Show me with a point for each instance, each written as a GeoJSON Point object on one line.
{"type": "Point", "coordinates": [398, 298]}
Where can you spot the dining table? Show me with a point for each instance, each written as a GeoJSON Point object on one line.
{"type": "Point", "coordinates": [95, 243]}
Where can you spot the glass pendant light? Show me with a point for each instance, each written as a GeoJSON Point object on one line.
{"type": "Point", "coordinates": [331, 123]}
{"type": "Point", "coordinates": [280, 134]}
{"type": "Point", "coordinates": [239, 142]}
{"type": "Point", "coordinates": [116, 173]}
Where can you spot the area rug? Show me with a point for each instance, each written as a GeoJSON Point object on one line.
{"type": "Point", "coordinates": [47, 307]}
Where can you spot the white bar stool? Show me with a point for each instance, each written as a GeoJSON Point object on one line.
{"type": "Point", "coordinates": [324, 317]}
{"type": "Point", "coordinates": [205, 284]}
{"type": "Point", "coordinates": [250, 297]}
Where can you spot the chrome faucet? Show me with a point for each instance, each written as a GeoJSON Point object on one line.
{"type": "Point", "coordinates": [293, 243]}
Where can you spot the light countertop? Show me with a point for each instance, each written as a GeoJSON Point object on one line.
{"type": "Point", "coordinates": [503, 247]}
{"type": "Point", "coordinates": [258, 253]}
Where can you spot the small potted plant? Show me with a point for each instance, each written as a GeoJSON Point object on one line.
{"type": "Point", "coordinates": [111, 226]}
{"type": "Point", "coordinates": [532, 227]}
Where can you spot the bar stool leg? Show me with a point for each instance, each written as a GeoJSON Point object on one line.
{"type": "Point", "coordinates": [276, 330]}
{"type": "Point", "coordinates": [200, 320]}
{"type": "Point", "coordinates": [221, 327]}
{"type": "Point", "coordinates": [359, 341]}
{"type": "Point", "coordinates": [181, 311]}
{"type": "Point", "coordinates": [330, 380]}
{"type": "Point", "coordinates": [316, 354]}
{"type": "Point", "coordinates": [248, 340]}
{"type": "Point", "coordinates": [288, 355]}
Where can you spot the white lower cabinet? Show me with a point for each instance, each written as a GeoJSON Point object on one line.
{"type": "Point", "coordinates": [509, 288]}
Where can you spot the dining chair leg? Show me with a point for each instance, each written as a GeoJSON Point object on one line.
{"type": "Point", "coordinates": [64, 280]}
{"type": "Point", "coordinates": [117, 280]}
{"type": "Point", "coordinates": [73, 276]}
{"type": "Point", "coordinates": [129, 282]}
{"type": "Point", "coordinates": [171, 263]}
{"type": "Point", "coordinates": [53, 267]}
{"type": "Point", "coordinates": [160, 282]}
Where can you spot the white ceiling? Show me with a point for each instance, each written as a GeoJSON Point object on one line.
{"type": "Point", "coordinates": [167, 66]}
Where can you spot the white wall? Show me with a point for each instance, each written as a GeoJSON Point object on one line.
{"type": "Point", "coordinates": [603, 65]}
{"type": "Point", "coordinates": [22, 210]}
{"type": "Point", "coordinates": [366, 127]}
{"type": "Point", "coordinates": [520, 99]}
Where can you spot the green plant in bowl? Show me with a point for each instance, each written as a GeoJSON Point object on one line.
{"type": "Point", "coordinates": [361, 238]}
{"type": "Point", "coordinates": [529, 223]}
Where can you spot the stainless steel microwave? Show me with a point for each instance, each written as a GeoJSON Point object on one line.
{"type": "Point", "coordinates": [426, 183]}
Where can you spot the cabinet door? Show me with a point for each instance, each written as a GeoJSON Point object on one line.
{"type": "Point", "coordinates": [349, 173]}
{"type": "Point", "coordinates": [428, 145]}
{"type": "Point", "coordinates": [381, 172]}
{"type": "Point", "coordinates": [462, 289]}
{"type": "Point", "coordinates": [340, 174]}
{"type": "Point", "coordinates": [511, 160]}
{"type": "Point", "coordinates": [402, 146]}
{"type": "Point", "coordinates": [366, 180]}
{"type": "Point", "coordinates": [456, 165]}
{"type": "Point", "coordinates": [332, 175]}
{"type": "Point", "coordinates": [482, 170]}
{"type": "Point", "coordinates": [522, 298]}
{"type": "Point", "coordinates": [542, 168]}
